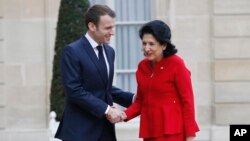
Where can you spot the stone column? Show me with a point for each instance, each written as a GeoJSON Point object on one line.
{"type": "Point", "coordinates": [231, 41]}
{"type": "Point", "coordinates": [27, 32]}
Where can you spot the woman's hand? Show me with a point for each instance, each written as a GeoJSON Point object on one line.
{"type": "Point", "coordinates": [123, 116]}
{"type": "Point", "coordinates": [190, 138]}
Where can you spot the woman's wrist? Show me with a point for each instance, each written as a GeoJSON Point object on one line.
{"type": "Point", "coordinates": [190, 138]}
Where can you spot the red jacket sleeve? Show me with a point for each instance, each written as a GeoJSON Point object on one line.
{"type": "Point", "coordinates": [134, 109]}
{"type": "Point", "coordinates": [185, 91]}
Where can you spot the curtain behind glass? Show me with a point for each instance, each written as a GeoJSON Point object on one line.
{"type": "Point", "coordinates": [131, 14]}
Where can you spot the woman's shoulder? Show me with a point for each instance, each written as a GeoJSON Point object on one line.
{"type": "Point", "coordinates": [143, 62]}
{"type": "Point", "coordinates": [177, 61]}
{"type": "Point", "coordinates": [175, 58]}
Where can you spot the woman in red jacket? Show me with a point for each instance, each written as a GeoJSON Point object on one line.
{"type": "Point", "coordinates": [165, 100]}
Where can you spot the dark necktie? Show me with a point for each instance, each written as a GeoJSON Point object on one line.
{"type": "Point", "coordinates": [102, 64]}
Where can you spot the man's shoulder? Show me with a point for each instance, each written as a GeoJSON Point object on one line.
{"type": "Point", "coordinates": [77, 42]}
{"type": "Point", "coordinates": [108, 47]}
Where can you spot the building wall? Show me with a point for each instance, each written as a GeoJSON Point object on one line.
{"type": "Point", "coordinates": [27, 30]}
{"type": "Point", "coordinates": [231, 64]}
{"type": "Point", "coordinates": [213, 37]}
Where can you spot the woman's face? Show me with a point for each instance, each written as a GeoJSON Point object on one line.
{"type": "Point", "coordinates": [152, 49]}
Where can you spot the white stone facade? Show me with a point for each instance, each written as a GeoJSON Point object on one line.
{"type": "Point", "coordinates": [27, 32]}
{"type": "Point", "coordinates": [213, 36]}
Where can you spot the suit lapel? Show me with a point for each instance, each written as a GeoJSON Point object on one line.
{"type": "Point", "coordinates": [110, 61]}
{"type": "Point", "coordinates": [109, 54]}
{"type": "Point", "coordinates": [88, 48]}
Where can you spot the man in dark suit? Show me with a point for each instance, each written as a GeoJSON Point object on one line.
{"type": "Point", "coordinates": [87, 68]}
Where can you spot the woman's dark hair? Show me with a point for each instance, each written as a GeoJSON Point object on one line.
{"type": "Point", "coordinates": [161, 33]}
{"type": "Point", "coordinates": [93, 14]}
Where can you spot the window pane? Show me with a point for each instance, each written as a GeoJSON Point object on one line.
{"type": "Point", "coordinates": [127, 81]}
{"type": "Point", "coordinates": [92, 2]}
{"type": "Point", "coordinates": [130, 15]}
{"type": "Point", "coordinates": [128, 46]}
{"type": "Point", "coordinates": [133, 10]}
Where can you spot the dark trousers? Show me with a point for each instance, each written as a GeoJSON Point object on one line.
{"type": "Point", "coordinates": [108, 133]}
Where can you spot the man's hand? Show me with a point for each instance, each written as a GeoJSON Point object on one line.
{"type": "Point", "coordinates": [114, 115]}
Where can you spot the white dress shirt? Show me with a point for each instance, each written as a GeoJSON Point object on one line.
{"type": "Point", "coordinates": [94, 44]}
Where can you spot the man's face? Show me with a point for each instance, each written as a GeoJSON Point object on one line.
{"type": "Point", "coordinates": [104, 30]}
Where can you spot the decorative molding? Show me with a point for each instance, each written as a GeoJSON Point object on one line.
{"type": "Point", "coordinates": [130, 22]}
{"type": "Point", "coordinates": [172, 18]}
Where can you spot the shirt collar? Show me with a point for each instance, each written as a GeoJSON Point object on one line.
{"type": "Point", "coordinates": [92, 42]}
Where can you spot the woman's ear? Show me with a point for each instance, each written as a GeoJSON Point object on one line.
{"type": "Point", "coordinates": [164, 47]}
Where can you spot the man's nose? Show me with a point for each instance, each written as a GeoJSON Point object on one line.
{"type": "Point", "coordinates": [112, 32]}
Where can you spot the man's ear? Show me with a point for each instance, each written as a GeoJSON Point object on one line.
{"type": "Point", "coordinates": [92, 26]}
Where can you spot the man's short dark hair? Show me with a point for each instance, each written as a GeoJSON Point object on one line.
{"type": "Point", "coordinates": [93, 14]}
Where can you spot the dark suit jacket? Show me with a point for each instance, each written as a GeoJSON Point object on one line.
{"type": "Point", "coordinates": [87, 96]}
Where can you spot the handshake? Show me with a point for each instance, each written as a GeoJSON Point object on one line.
{"type": "Point", "coordinates": [115, 115]}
